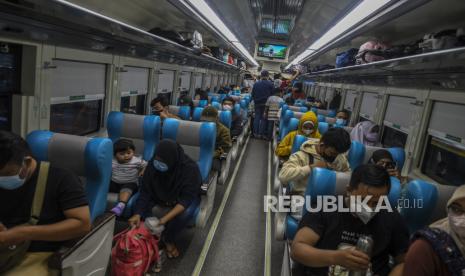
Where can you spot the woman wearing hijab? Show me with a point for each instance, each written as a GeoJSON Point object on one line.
{"type": "Point", "coordinates": [308, 127]}
{"type": "Point", "coordinates": [171, 180]}
{"type": "Point", "coordinates": [440, 249]}
{"type": "Point", "coordinates": [365, 132]}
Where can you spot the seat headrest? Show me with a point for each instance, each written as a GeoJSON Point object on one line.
{"type": "Point", "coordinates": [298, 141]}
{"type": "Point", "coordinates": [323, 127]}
{"type": "Point", "coordinates": [419, 202]}
{"type": "Point", "coordinates": [197, 115]}
{"type": "Point", "coordinates": [184, 112]}
{"type": "Point", "coordinates": [321, 118]}
{"type": "Point", "coordinates": [225, 118]}
{"type": "Point", "coordinates": [327, 113]}
{"type": "Point", "coordinates": [216, 105]}
{"type": "Point", "coordinates": [131, 126]}
{"type": "Point", "coordinates": [356, 154]}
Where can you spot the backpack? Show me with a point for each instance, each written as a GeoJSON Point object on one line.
{"type": "Point", "coordinates": [443, 244]}
{"type": "Point", "coordinates": [346, 58]}
{"type": "Point", "coordinates": [134, 252]}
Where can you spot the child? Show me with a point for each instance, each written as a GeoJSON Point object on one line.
{"type": "Point", "coordinates": [272, 106]}
{"type": "Point", "coordinates": [125, 170]}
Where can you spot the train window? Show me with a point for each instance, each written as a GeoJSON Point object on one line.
{"type": "Point", "coordinates": [185, 81]}
{"type": "Point", "coordinates": [207, 81]}
{"type": "Point", "coordinates": [77, 118]}
{"type": "Point", "coordinates": [214, 83]}
{"type": "Point", "coordinates": [198, 80]}
{"type": "Point", "coordinates": [322, 95]}
{"type": "Point", "coordinates": [78, 90]}
{"type": "Point", "coordinates": [350, 100]}
{"type": "Point", "coordinates": [166, 83]}
{"type": "Point", "coordinates": [5, 113]}
{"type": "Point", "coordinates": [362, 119]}
{"type": "Point", "coordinates": [220, 80]}
{"type": "Point", "coordinates": [444, 162]}
{"type": "Point", "coordinates": [369, 105]}
{"type": "Point", "coordinates": [393, 137]}
{"type": "Point", "coordinates": [133, 104]}
{"type": "Point", "coordinates": [134, 86]}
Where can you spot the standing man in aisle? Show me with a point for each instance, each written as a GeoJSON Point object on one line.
{"type": "Point", "coordinates": [261, 91]}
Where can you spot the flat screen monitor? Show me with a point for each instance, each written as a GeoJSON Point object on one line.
{"type": "Point", "coordinates": [272, 50]}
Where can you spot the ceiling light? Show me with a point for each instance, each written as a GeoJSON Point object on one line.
{"type": "Point", "coordinates": [205, 13]}
{"type": "Point", "coordinates": [361, 12]}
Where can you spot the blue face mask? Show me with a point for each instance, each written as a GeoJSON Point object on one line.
{"type": "Point", "coordinates": [341, 122]}
{"type": "Point", "coordinates": [12, 182]}
{"type": "Point", "coordinates": [160, 166]}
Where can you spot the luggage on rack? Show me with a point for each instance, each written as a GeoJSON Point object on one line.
{"type": "Point", "coordinates": [346, 58]}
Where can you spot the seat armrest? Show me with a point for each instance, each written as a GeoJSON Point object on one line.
{"type": "Point", "coordinates": [71, 246]}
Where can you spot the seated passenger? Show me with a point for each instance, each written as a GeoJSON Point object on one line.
{"type": "Point", "coordinates": [64, 214]}
{"type": "Point", "coordinates": [342, 117]}
{"type": "Point", "coordinates": [384, 159]}
{"type": "Point", "coordinates": [223, 138]}
{"type": "Point", "coordinates": [327, 152]}
{"type": "Point", "coordinates": [365, 132]}
{"type": "Point", "coordinates": [272, 106]}
{"type": "Point", "coordinates": [308, 126]}
{"type": "Point", "coordinates": [326, 241]}
{"type": "Point", "coordinates": [171, 181]}
{"type": "Point", "coordinates": [439, 250]}
{"type": "Point", "coordinates": [160, 107]}
{"type": "Point", "coordinates": [236, 124]}
{"type": "Point", "coordinates": [297, 91]}
{"type": "Point", "coordinates": [125, 171]}
{"type": "Point", "coordinates": [200, 94]}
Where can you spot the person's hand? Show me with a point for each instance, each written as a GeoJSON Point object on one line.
{"type": "Point", "coordinates": [320, 164]}
{"type": "Point", "coordinates": [352, 259]}
{"type": "Point", "coordinates": [13, 236]}
{"type": "Point", "coordinates": [163, 115]}
{"type": "Point", "coordinates": [162, 221]}
{"type": "Point", "coordinates": [393, 172]}
{"type": "Point", "coordinates": [134, 221]}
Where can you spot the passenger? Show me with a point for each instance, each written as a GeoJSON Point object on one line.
{"type": "Point", "coordinates": [320, 104]}
{"type": "Point", "coordinates": [308, 126]}
{"type": "Point", "coordinates": [223, 138]}
{"type": "Point", "coordinates": [297, 91]}
{"type": "Point", "coordinates": [200, 94]}
{"type": "Point", "coordinates": [325, 242]}
{"type": "Point", "coordinates": [171, 181]}
{"type": "Point", "coordinates": [236, 124]}
{"type": "Point", "coordinates": [342, 117]}
{"type": "Point", "coordinates": [272, 106]}
{"type": "Point", "coordinates": [277, 81]}
{"type": "Point", "coordinates": [328, 152]}
{"type": "Point", "coordinates": [384, 159]}
{"type": "Point", "coordinates": [64, 214]}
{"type": "Point", "coordinates": [261, 91]}
{"type": "Point", "coordinates": [439, 250]}
{"type": "Point", "coordinates": [365, 132]}
{"type": "Point", "coordinates": [125, 171]}
{"type": "Point", "coordinates": [160, 107]}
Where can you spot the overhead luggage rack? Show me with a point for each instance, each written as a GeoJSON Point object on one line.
{"type": "Point", "coordinates": [65, 23]}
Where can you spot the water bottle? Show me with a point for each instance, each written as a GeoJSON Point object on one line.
{"type": "Point", "coordinates": [364, 244]}
{"type": "Point", "coordinates": [152, 223]}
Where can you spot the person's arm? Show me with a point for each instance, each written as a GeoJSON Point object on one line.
{"type": "Point", "coordinates": [303, 251]}
{"type": "Point", "coordinates": [225, 142]}
{"type": "Point", "coordinates": [284, 148]}
{"type": "Point", "coordinates": [294, 169]}
{"type": "Point", "coordinates": [178, 209]}
{"type": "Point", "coordinates": [145, 201]}
{"type": "Point", "coordinates": [420, 260]}
{"type": "Point", "coordinates": [76, 224]}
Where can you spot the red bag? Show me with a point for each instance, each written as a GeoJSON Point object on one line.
{"type": "Point", "coordinates": [134, 252]}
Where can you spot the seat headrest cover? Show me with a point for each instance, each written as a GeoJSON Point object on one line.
{"type": "Point", "coordinates": [321, 118]}
{"type": "Point", "coordinates": [68, 151]}
{"type": "Point", "coordinates": [197, 114]}
{"type": "Point", "coordinates": [225, 118]}
{"type": "Point", "coordinates": [323, 127]}
{"type": "Point", "coordinates": [216, 105]}
{"type": "Point", "coordinates": [356, 154]}
{"type": "Point", "coordinates": [298, 141]}
{"type": "Point", "coordinates": [394, 192]}
{"type": "Point", "coordinates": [321, 182]}
{"type": "Point", "coordinates": [203, 103]}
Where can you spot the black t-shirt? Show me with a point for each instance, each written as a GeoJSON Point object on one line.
{"type": "Point", "coordinates": [64, 191]}
{"type": "Point", "coordinates": [341, 230]}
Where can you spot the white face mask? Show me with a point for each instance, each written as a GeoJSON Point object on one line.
{"type": "Point", "coordinates": [363, 212]}
{"type": "Point", "coordinates": [457, 224]}
{"type": "Point", "coordinates": [227, 107]}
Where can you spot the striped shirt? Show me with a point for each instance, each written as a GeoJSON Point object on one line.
{"type": "Point", "coordinates": [273, 104]}
{"type": "Point", "coordinates": [127, 172]}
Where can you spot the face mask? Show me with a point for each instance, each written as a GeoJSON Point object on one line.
{"type": "Point", "coordinates": [457, 224]}
{"type": "Point", "coordinates": [363, 212]}
{"type": "Point", "coordinates": [12, 182]}
{"type": "Point", "coordinates": [227, 107]}
{"type": "Point", "coordinates": [341, 122]}
{"type": "Point", "coordinates": [160, 166]}
{"type": "Point", "coordinates": [307, 131]}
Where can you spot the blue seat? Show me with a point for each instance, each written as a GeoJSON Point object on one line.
{"type": "Point", "coordinates": [298, 141]}
{"type": "Point", "coordinates": [327, 113]}
{"type": "Point", "coordinates": [321, 118]}
{"type": "Point", "coordinates": [144, 131]}
{"type": "Point", "coordinates": [200, 103]}
{"type": "Point", "coordinates": [290, 122]}
{"type": "Point", "coordinates": [356, 154]}
{"type": "Point", "coordinates": [90, 159]}
{"type": "Point", "coordinates": [216, 105]}
{"type": "Point", "coordinates": [183, 112]}
{"type": "Point", "coordinates": [225, 118]}
{"type": "Point", "coordinates": [198, 141]}
{"type": "Point", "coordinates": [323, 127]}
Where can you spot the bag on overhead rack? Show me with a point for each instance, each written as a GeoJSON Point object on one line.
{"type": "Point", "coordinates": [370, 51]}
{"type": "Point", "coordinates": [171, 35]}
{"type": "Point", "coordinates": [445, 39]}
{"type": "Point", "coordinates": [346, 58]}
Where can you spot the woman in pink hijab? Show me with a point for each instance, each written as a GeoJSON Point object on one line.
{"type": "Point", "coordinates": [365, 132]}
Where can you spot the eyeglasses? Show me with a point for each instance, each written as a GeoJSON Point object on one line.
{"type": "Point", "coordinates": [387, 165]}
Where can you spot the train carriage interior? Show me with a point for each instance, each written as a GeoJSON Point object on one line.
{"type": "Point", "coordinates": [192, 137]}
